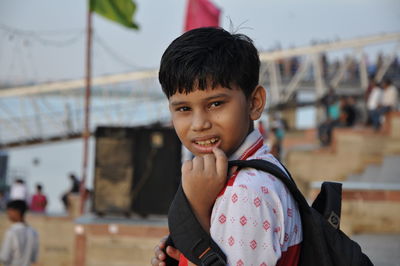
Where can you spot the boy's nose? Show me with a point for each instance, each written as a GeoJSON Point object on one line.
{"type": "Point", "coordinates": [200, 122]}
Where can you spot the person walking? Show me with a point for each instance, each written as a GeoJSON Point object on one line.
{"type": "Point", "coordinates": [21, 242]}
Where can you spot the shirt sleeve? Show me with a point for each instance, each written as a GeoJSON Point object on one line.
{"type": "Point", "coordinates": [248, 225]}
{"type": "Point", "coordinates": [6, 248]}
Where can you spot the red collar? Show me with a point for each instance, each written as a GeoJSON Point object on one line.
{"type": "Point", "coordinates": [249, 152]}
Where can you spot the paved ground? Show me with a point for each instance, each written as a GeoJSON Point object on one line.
{"type": "Point", "coordinates": [383, 250]}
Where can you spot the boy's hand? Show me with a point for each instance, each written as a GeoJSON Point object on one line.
{"type": "Point", "coordinates": [160, 256]}
{"type": "Point", "coordinates": [202, 180]}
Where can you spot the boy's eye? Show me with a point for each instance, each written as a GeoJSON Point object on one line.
{"type": "Point", "coordinates": [183, 109]}
{"type": "Point", "coordinates": [216, 104]}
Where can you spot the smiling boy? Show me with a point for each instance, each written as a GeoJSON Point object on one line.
{"type": "Point", "coordinates": [211, 80]}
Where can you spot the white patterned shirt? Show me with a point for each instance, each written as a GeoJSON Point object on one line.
{"type": "Point", "coordinates": [255, 220]}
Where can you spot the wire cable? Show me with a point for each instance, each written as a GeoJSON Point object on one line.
{"type": "Point", "coordinates": [113, 53]}
{"type": "Point", "coordinates": [37, 35]}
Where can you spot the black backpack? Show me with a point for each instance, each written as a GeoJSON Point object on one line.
{"type": "Point", "coordinates": [324, 244]}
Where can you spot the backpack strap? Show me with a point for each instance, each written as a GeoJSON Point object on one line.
{"type": "Point", "coordinates": [189, 236]}
{"type": "Point", "coordinates": [329, 202]}
{"type": "Point", "coordinates": [278, 173]}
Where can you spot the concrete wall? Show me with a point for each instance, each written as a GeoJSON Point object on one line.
{"type": "Point", "coordinates": [56, 236]}
{"type": "Point", "coordinates": [118, 244]}
{"type": "Point", "coordinates": [64, 242]}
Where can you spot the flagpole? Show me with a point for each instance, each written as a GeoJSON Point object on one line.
{"type": "Point", "coordinates": [86, 129]}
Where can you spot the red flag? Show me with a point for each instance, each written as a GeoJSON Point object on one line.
{"type": "Point", "coordinates": [201, 13]}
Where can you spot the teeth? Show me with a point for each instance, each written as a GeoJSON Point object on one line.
{"type": "Point", "coordinates": [207, 142]}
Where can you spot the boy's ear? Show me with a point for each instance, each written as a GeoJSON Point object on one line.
{"type": "Point", "coordinates": [257, 102]}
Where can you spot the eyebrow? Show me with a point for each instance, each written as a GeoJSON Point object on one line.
{"type": "Point", "coordinates": [219, 95]}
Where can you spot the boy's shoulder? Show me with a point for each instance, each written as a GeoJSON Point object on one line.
{"type": "Point", "coordinates": [257, 181]}
{"type": "Point", "coordinates": [21, 227]}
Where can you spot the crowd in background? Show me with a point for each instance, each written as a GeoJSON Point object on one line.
{"type": "Point", "coordinates": [19, 191]}
{"type": "Point", "coordinates": [37, 202]}
{"type": "Point", "coordinates": [379, 100]}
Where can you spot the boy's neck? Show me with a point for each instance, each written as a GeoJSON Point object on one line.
{"type": "Point", "coordinates": [251, 129]}
{"type": "Point", "coordinates": [21, 220]}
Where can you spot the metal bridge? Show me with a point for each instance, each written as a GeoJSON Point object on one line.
{"type": "Point", "coordinates": [54, 111]}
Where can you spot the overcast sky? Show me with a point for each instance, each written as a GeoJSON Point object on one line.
{"type": "Point", "coordinates": [52, 44]}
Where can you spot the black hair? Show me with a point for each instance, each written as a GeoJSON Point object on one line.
{"type": "Point", "coordinates": [208, 57]}
{"type": "Point", "coordinates": [387, 81]}
{"type": "Point", "coordinates": [19, 205]}
{"type": "Point", "coordinates": [39, 187]}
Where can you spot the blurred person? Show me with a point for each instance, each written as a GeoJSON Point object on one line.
{"type": "Point", "coordinates": [20, 243]}
{"type": "Point", "coordinates": [352, 69]}
{"type": "Point", "coordinates": [390, 99]}
{"type": "Point", "coordinates": [294, 65]}
{"type": "Point", "coordinates": [371, 85]}
{"type": "Point", "coordinates": [373, 104]}
{"type": "Point", "coordinates": [18, 190]}
{"type": "Point", "coordinates": [276, 138]}
{"type": "Point", "coordinates": [329, 100]}
{"type": "Point", "coordinates": [325, 129]}
{"type": "Point", "coordinates": [3, 200]}
{"type": "Point", "coordinates": [325, 65]}
{"type": "Point", "coordinates": [389, 102]}
{"type": "Point", "coordinates": [348, 112]}
{"type": "Point", "coordinates": [75, 186]}
{"type": "Point", "coordinates": [39, 200]}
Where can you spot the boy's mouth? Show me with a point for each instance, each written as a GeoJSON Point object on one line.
{"type": "Point", "coordinates": [205, 145]}
{"type": "Point", "coordinates": [207, 142]}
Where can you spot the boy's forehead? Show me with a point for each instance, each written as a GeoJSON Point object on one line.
{"type": "Point", "coordinates": [198, 95]}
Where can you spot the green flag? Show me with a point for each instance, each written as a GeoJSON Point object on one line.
{"type": "Point", "coordinates": [120, 11]}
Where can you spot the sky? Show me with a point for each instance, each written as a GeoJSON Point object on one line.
{"type": "Point", "coordinates": [44, 40]}
{"type": "Point", "coordinates": [51, 42]}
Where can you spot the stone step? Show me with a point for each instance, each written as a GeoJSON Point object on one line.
{"type": "Point", "coordinates": [388, 171]}
{"type": "Point", "coordinates": [382, 249]}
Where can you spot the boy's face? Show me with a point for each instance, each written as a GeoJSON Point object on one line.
{"type": "Point", "coordinates": [218, 117]}
{"type": "Point", "coordinates": [14, 215]}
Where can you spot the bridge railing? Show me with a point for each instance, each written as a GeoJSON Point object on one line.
{"type": "Point", "coordinates": [53, 111]}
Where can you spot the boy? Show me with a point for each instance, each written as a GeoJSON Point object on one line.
{"type": "Point", "coordinates": [20, 243]}
{"type": "Point", "coordinates": [211, 80]}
